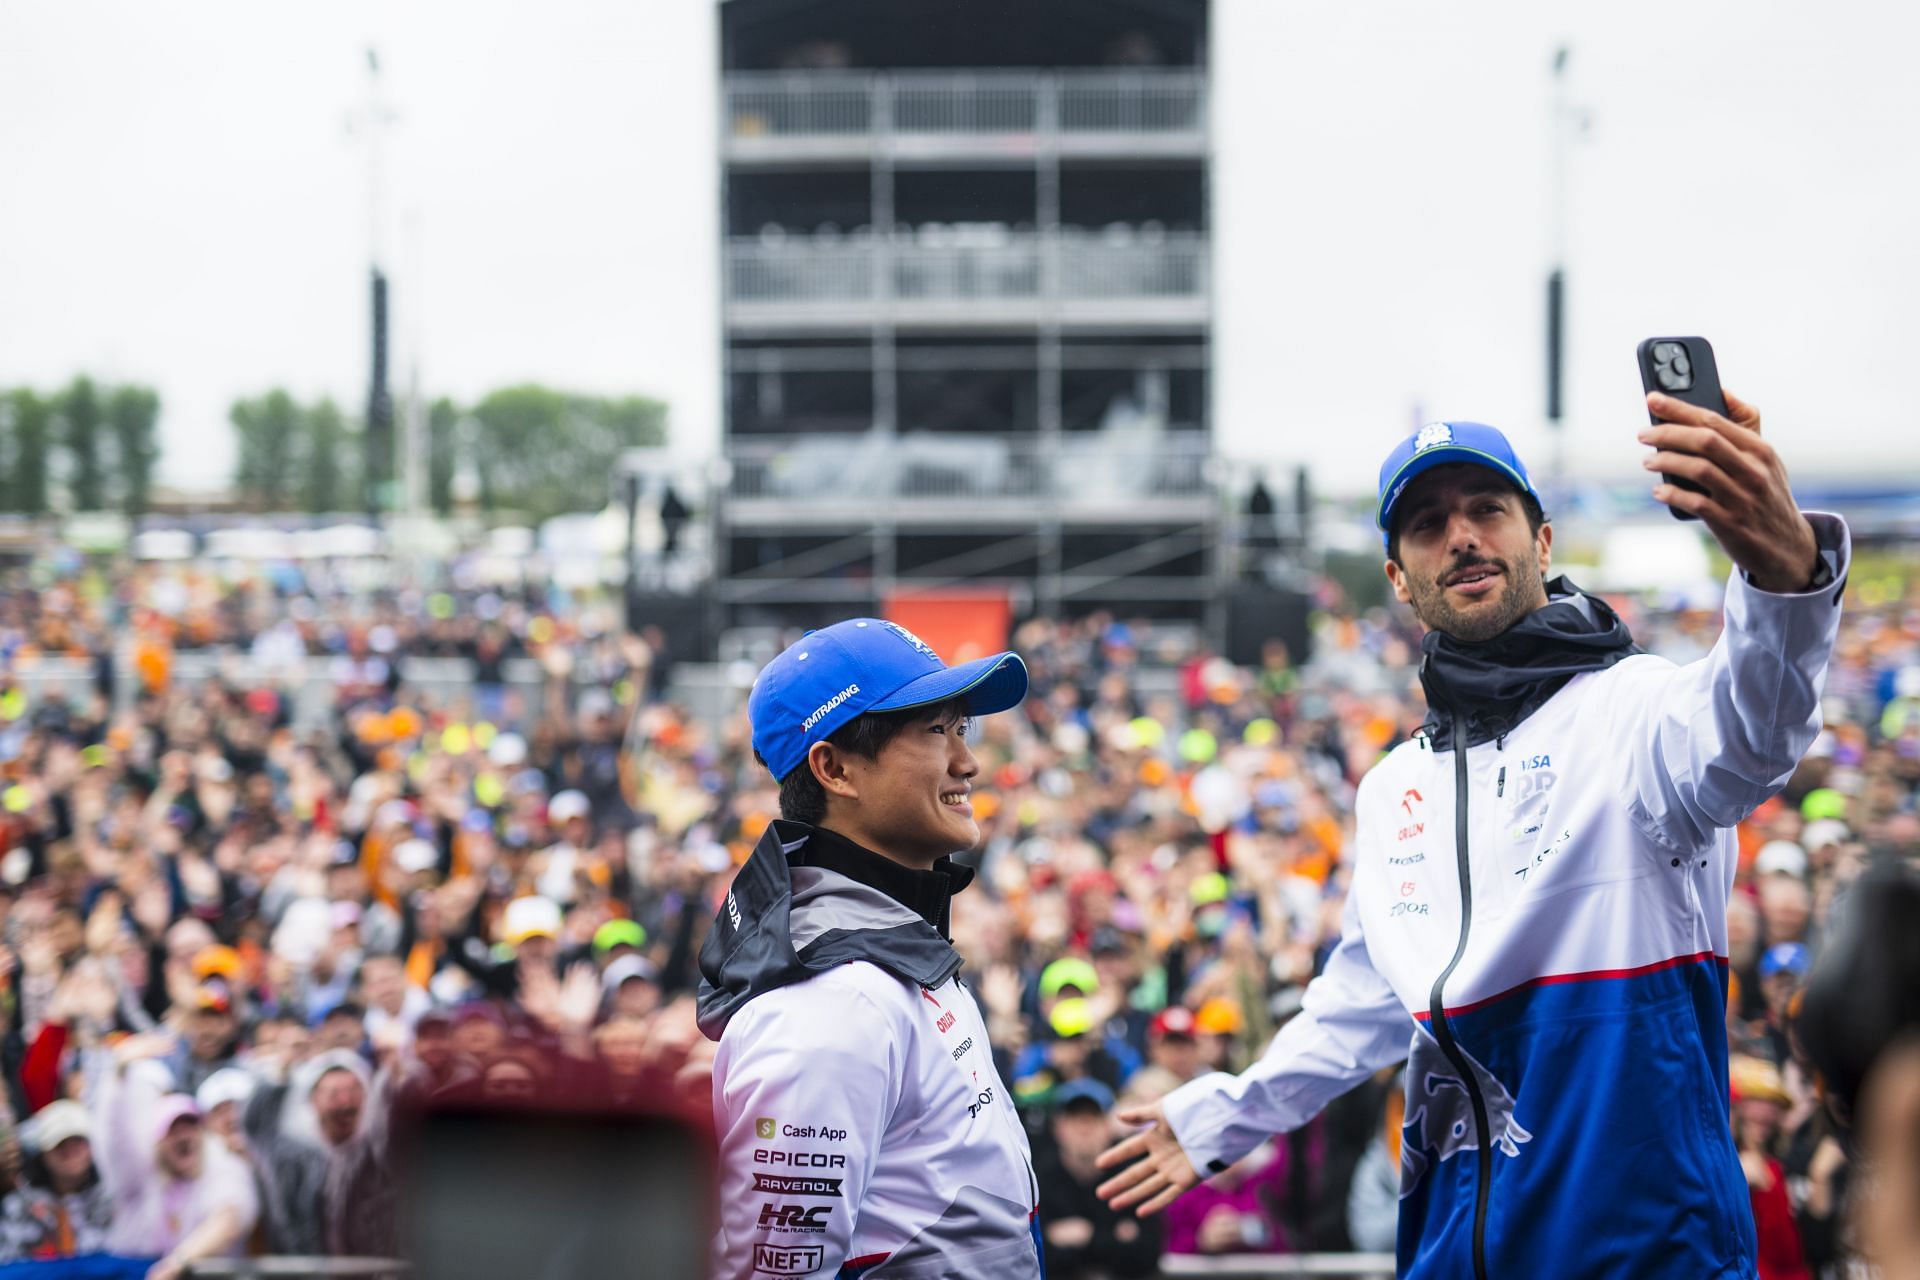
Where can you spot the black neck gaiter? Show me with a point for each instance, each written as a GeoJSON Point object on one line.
{"type": "Point", "coordinates": [1498, 683]}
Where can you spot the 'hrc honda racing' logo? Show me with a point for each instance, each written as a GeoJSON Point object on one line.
{"type": "Point", "coordinates": [795, 1217]}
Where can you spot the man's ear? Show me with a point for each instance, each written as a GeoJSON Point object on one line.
{"type": "Point", "coordinates": [1398, 577]}
{"type": "Point", "coordinates": [1543, 542]}
{"type": "Point", "coordinates": [829, 765]}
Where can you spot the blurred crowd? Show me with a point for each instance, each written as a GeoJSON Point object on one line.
{"type": "Point", "coordinates": [236, 948]}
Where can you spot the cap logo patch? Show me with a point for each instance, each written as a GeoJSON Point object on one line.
{"type": "Point", "coordinates": [820, 712]}
{"type": "Point", "coordinates": [1432, 436]}
{"type": "Point", "coordinates": [913, 640]}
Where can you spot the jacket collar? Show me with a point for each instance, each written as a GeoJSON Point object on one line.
{"type": "Point", "coordinates": [1495, 684]}
{"type": "Point", "coordinates": [928, 894]}
{"type": "Point", "coordinates": [787, 918]}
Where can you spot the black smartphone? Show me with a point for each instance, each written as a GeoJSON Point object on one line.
{"type": "Point", "coordinates": [1684, 369]}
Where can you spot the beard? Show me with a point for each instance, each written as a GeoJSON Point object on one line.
{"type": "Point", "coordinates": [1523, 591]}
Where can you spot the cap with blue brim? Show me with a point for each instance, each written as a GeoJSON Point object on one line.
{"type": "Point", "coordinates": [828, 677]}
{"type": "Point", "coordinates": [1436, 445]}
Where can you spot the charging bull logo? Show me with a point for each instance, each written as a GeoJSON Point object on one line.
{"type": "Point", "coordinates": [1440, 1112]}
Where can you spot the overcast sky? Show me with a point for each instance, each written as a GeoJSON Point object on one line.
{"type": "Point", "coordinates": [181, 203]}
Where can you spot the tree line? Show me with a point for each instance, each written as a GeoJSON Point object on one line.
{"type": "Point", "coordinates": [528, 449]}
{"type": "Point", "coordinates": [90, 446]}
{"type": "Point", "coordinates": [532, 450]}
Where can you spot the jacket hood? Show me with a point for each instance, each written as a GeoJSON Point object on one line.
{"type": "Point", "coordinates": [1497, 683]}
{"type": "Point", "coordinates": [784, 921]}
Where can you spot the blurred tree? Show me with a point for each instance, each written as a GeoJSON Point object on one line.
{"type": "Point", "coordinates": [268, 431]}
{"type": "Point", "coordinates": [545, 452]}
{"type": "Point", "coordinates": [323, 448]}
{"type": "Point", "coordinates": [78, 408]}
{"type": "Point", "coordinates": [443, 442]}
{"type": "Point", "coordinates": [134, 412]}
{"type": "Point", "coordinates": [28, 422]}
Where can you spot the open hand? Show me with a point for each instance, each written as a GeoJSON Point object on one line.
{"type": "Point", "coordinates": [1747, 504]}
{"type": "Point", "coordinates": [1156, 1170]}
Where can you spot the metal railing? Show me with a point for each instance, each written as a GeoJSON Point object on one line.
{"type": "Point", "coordinates": [1132, 102]}
{"type": "Point", "coordinates": [1172, 266]}
{"type": "Point", "coordinates": [841, 105]}
{"type": "Point", "coordinates": [791, 270]}
{"type": "Point", "coordinates": [995, 268]}
{"type": "Point", "coordinates": [964, 103]}
{"type": "Point", "coordinates": [1242, 1266]}
{"type": "Point", "coordinates": [1281, 1266]}
{"type": "Point", "coordinates": [290, 1267]}
{"type": "Point", "coordinates": [1085, 469]}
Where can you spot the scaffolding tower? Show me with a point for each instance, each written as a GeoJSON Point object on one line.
{"type": "Point", "coordinates": [966, 314]}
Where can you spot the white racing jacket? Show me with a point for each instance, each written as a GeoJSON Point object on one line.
{"type": "Point", "coordinates": [863, 1128]}
{"type": "Point", "coordinates": [1541, 919]}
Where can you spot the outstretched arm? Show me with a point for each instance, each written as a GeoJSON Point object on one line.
{"type": "Point", "coordinates": [1350, 1025]}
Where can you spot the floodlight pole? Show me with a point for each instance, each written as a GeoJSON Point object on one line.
{"type": "Point", "coordinates": [376, 483]}
{"type": "Point", "coordinates": [1557, 276]}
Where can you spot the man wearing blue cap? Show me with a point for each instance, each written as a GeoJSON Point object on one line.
{"type": "Point", "coordinates": [1537, 914]}
{"type": "Point", "coordinates": [863, 1128]}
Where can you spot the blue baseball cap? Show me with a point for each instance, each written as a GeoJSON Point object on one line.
{"type": "Point", "coordinates": [1437, 444]}
{"type": "Point", "coordinates": [1788, 957]}
{"type": "Point", "coordinates": [827, 677]}
{"type": "Point", "coordinates": [1085, 1090]}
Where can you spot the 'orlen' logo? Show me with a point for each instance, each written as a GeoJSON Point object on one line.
{"type": "Point", "coordinates": [765, 1128]}
{"type": "Point", "coordinates": [775, 1185]}
{"type": "Point", "coordinates": [787, 1260]}
{"type": "Point", "coordinates": [1432, 436]}
{"type": "Point", "coordinates": [820, 712]}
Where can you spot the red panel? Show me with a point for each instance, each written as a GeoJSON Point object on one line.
{"type": "Point", "coordinates": [959, 625]}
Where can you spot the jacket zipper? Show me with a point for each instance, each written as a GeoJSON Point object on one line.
{"type": "Point", "coordinates": [1436, 1003]}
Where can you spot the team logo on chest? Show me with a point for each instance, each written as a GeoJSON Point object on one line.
{"type": "Point", "coordinates": [1529, 796]}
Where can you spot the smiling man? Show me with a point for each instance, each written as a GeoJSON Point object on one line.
{"type": "Point", "coordinates": [863, 1128]}
{"type": "Point", "coordinates": [1537, 917]}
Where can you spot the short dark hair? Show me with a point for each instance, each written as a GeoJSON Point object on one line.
{"type": "Point", "coordinates": [1536, 516]}
{"type": "Point", "coordinates": [803, 799]}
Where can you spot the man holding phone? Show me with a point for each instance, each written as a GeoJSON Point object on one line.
{"type": "Point", "coordinates": [1537, 912]}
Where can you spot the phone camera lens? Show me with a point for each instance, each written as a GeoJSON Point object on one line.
{"type": "Point", "coordinates": [1671, 368]}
